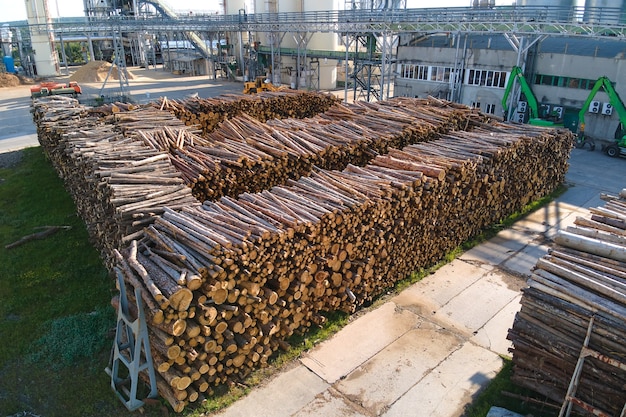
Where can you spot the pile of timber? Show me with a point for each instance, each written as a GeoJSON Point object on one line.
{"type": "Point", "coordinates": [246, 155]}
{"type": "Point", "coordinates": [118, 184]}
{"type": "Point", "coordinates": [583, 276]}
{"type": "Point", "coordinates": [269, 264]}
{"type": "Point", "coordinates": [208, 113]}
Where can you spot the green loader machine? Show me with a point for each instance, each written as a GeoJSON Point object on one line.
{"type": "Point", "coordinates": [551, 120]}
{"type": "Point", "coordinates": [619, 146]}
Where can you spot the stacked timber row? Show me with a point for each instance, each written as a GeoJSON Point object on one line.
{"type": "Point", "coordinates": [208, 113]}
{"type": "Point", "coordinates": [269, 264]}
{"type": "Point", "coordinates": [118, 184]}
{"type": "Point", "coordinates": [246, 155]}
{"type": "Point", "coordinates": [583, 276]}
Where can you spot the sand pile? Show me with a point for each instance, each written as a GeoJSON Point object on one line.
{"type": "Point", "coordinates": [9, 80]}
{"type": "Point", "coordinates": [96, 71]}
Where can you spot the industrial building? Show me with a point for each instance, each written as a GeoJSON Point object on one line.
{"type": "Point", "coordinates": [561, 71]}
{"type": "Point", "coordinates": [374, 49]}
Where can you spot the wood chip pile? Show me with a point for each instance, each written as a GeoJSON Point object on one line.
{"type": "Point", "coordinates": [583, 276]}
{"type": "Point", "coordinates": [226, 282]}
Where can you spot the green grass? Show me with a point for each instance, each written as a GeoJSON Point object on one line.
{"type": "Point", "coordinates": [501, 392]}
{"type": "Point", "coordinates": [56, 321]}
{"type": "Point", "coordinates": [54, 301]}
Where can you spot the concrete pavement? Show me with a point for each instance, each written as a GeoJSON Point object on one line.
{"type": "Point", "coordinates": [429, 350]}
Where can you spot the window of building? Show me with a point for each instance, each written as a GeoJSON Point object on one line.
{"type": "Point", "coordinates": [487, 78]}
{"type": "Point", "coordinates": [490, 108]}
{"type": "Point", "coordinates": [421, 73]}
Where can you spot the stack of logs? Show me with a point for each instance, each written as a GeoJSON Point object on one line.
{"type": "Point", "coordinates": [246, 155]}
{"type": "Point", "coordinates": [226, 282]}
{"type": "Point", "coordinates": [271, 263]}
{"type": "Point", "coordinates": [208, 113]}
{"type": "Point", "coordinates": [118, 184]}
{"type": "Point", "coordinates": [583, 276]}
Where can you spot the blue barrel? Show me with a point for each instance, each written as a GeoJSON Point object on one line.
{"type": "Point", "coordinates": [9, 63]}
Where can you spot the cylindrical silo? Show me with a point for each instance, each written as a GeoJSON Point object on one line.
{"type": "Point", "coordinates": [605, 11]}
{"type": "Point", "coordinates": [42, 37]}
{"type": "Point", "coordinates": [555, 10]}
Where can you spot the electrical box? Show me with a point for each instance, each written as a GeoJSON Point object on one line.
{"type": "Point", "coordinates": [607, 109]}
{"type": "Point", "coordinates": [558, 111]}
{"type": "Point", "coordinates": [521, 107]}
{"type": "Point", "coordinates": [520, 118]}
{"type": "Point", "coordinates": [544, 110]}
{"type": "Point", "coordinates": [594, 107]}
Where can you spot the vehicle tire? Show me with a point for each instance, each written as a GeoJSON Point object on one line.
{"type": "Point", "coordinates": [612, 151]}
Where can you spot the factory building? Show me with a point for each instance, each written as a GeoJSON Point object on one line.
{"type": "Point", "coordinates": [561, 71]}
{"type": "Point", "coordinates": [475, 69]}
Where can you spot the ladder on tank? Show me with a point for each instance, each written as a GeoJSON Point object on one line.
{"type": "Point", "coordinates": [570, 396]}
{"type": "Point", "coordinates": [131, 351]}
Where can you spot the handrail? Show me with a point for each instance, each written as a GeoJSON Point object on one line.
{"type": "Point", "coordinates": [578, 21]}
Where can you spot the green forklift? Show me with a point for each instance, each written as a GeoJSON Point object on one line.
{"type": "Point", "coordinates": [619, 146]}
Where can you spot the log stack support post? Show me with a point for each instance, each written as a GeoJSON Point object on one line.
{"type": "Point", "coordinates": [131, 350]}
{"type": "Point", "coordinates": [570, 397]}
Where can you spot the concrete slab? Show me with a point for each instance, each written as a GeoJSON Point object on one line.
{"type": "Point", "coordinates": [546, 218]}
{"type": "Point", "coordinates": [493, 334]}
{"type": "Point", "coordinates": [331, 403]}
{"type": "Point", "coordinates": [479, 303]}
{"type": "Point", "coordinates": [393, 371]}
{"type": "Point", "coordinates": [496, 250]}
{"type": "Point", "coordinates": [437, 289]}
{"type": "Point", "coordinates": [281, 397]}
{"type": "Point", "coordinates": [446, 390]}
{"type": "Point", "coordinates": [579, 197]}
{"type": "Point", "coordinates": [523, 262]}
{"type": "Point", "coordinates": [359, 341]}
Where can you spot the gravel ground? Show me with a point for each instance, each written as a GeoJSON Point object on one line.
{"type": "Point", "coordinates": [10, 159]}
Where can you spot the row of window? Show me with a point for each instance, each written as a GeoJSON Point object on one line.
{"type": "Point", "coordinates": [568, 82]}
{"type": "Point", "coordinates": [426, 72]}
{"type": "Point", "coordinates": [485, 78]}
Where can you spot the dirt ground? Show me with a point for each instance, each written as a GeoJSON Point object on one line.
{"type": "Point", "coordinates": [11, 80]}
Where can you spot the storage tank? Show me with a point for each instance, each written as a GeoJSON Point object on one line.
{"type": "Point", "coordinates": [9, 64]}
{"type": "Point", "coordinates": [555, 10]}
{"type": "Point", "coordinates": [605, 11]}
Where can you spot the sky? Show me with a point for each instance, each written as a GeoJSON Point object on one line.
{"type": "Point", "coordinates": [13, 10]}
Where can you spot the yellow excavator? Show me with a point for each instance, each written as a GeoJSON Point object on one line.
{"type": "Point", "coordinates": [259, 85]}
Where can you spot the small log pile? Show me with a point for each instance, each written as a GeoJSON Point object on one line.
{"type": "Point", "coordinates": [118, 184]}
{"type": "Point", "coordinates": [246, 155]}
{"type": "Point", "coordinates": [583, 276]}
{"type": "Point", "coordinates": [271, 263]}
{"type": "Point", "coordinates": [208, 113]}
